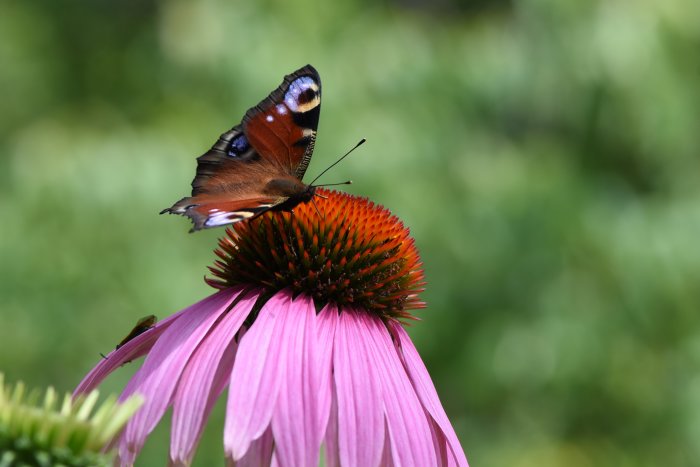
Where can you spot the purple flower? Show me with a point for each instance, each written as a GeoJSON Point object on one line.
{"type": "Point", "coordinates": [305, 334]}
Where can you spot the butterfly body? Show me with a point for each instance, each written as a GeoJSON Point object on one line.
{"type": "Point", "coordinates": [258, 165]}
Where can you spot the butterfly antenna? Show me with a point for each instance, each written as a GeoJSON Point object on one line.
{"type": "Point", "coordinates": [349, 182]}
{"type": "Point", "coordinates": [362, 141]}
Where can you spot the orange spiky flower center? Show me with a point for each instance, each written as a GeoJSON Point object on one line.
{"type": "Point", "coordinates": [344, 250]}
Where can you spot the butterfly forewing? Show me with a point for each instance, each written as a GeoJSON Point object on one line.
{"type": "Point", "coordinates": [258, 165]}
{"type": "Point", "coordinates": [282, 128]}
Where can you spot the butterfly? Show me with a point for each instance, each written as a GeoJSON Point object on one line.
{"type": "Point", "coordinates": [258, 165]}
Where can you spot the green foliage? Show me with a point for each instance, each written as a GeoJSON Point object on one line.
{"type": "Point", "coordinates": [34, 433]}
{"type": "Point", "coordinates": [543, 152]}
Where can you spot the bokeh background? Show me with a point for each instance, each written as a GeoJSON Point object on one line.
{"type": "Point", "coordinates": [544, 153]}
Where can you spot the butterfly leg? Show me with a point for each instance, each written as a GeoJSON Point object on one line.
{"type": "Point", "coordinates": [317, 211]}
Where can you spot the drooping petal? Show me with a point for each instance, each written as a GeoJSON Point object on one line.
{"type": "Point", "coordinates": [409, 429]}
{"type": "Point", "coordinates": [442, 450]}
{"type": "Point", "coordinates": [295, 419]}
{"type": "Point", "coordinates": [330, 441]}
{"type": "Point", "coordinates": [197, 389]}
{"type": "Point", "coordinates": [160, 373]}
{"type": "Point", "coordinates": [135, 348]}
{"type": "Point", "coordinates": [326, 322]}
{"type": "Point", "coordinates": [386, 460]}
{"type": "Point", "coordinates": [259, 454]}
{"type": "Point", "coordinates": [256, 378]}
{"type": "Point", "coordinates": [423, 385]}
{"type": "Point", "coordinates": [358, 391]}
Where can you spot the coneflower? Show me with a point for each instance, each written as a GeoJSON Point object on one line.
{"type": "Point", "coordinates": [306, 333]}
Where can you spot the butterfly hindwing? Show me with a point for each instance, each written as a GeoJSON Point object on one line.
{"type": "Point", "coordinates": [230, 154]}
{"type": "Point", "coordinates": [213, 211]}
{"type": "Point", "coordinates": [258, 165]}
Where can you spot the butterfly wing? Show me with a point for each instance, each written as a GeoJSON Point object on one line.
{"type": "Point", "coordinates": [282, 128]}
{"type": "Point", "coordinates": [259, 163]}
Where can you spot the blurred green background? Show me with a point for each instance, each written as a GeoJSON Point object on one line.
{"type": "Point", "coordinates": [544, 153]}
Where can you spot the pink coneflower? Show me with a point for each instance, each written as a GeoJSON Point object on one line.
{"type": "Point", "coordinates": [305, 332]}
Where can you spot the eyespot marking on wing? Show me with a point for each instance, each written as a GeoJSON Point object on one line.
{"type": "Point", "coordinates": [238, 146]}
{"type": "Point", "coordinates": [302, 95]}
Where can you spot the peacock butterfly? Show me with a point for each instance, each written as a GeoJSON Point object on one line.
{"type": "Point", "coordinates": [258, 165]}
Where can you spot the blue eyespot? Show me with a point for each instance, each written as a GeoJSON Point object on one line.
{"type": "Point", "coordinates": [238, 146]}
{"type": "Point", "coordinates": [302, 94]}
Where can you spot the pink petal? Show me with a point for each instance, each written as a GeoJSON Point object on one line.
{"type": "Point", "coordinates": [256, 378]}
{"type": "Point", "coordinates": [409, 430]}
{"type": "Point", "coordinates": [423, 385]}
{"type": "Point", "coordinates": [331, 438]}
{"type": "Point", "coordinates": [295, 419]}
{"type": "Point", "coordinates": [326, 323]}
{"type": "Point", "coordinates": [160, 373]}
{"type": "Point", "coordinates": [358, 391]}
{"type": "Point", "coordinates": [135, 348]}
{"type": "Point", "coordinates": [197, 390]}
{"type": "Point", "coordinates": [386, 460]}
{"type": "Point", "coordinates": [259, 454]}
{"type": "Point", "coordinates": [442, 450]}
